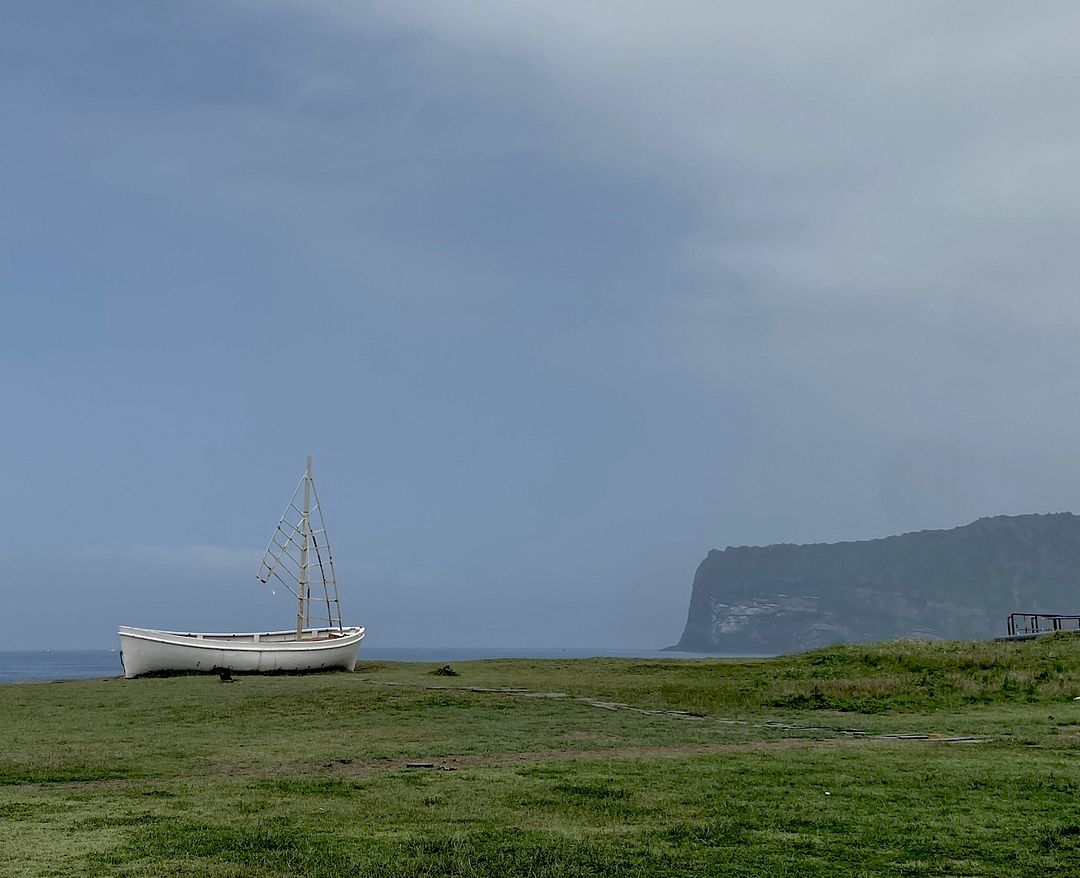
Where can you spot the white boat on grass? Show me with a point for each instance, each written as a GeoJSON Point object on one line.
{"type": "Point", "coordinates": [298, 549]}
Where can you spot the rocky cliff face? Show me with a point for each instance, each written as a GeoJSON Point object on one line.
{"type": "Point", "coordinates": [954, 584]}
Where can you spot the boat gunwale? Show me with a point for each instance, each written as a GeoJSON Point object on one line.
{"type": "Point", "coordinates": [208, 641]}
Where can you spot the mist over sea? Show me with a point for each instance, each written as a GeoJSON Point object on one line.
{"type": "Point", "coordinates": [88, 664]}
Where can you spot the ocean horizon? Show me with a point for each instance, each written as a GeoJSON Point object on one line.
{"type": "Point", "coordinates": [46, 665]}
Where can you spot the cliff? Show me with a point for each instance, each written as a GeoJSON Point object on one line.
{"type": "Point", "coordinates": [955, 584]}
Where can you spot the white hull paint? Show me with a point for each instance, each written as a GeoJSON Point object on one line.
{"type": "Point", "coordinates": [147, 651]}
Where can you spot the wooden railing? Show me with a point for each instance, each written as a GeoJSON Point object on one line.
{"type": "Point", "coordinates": [1041, 623]}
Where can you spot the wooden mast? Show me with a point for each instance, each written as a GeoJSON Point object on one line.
{"type": "Point", "coordinates": [299, 542]}
{"type": "Point", "coordinates": [303, 609]}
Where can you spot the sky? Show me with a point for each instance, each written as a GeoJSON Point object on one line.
{"type": "Point", "coordinates": [559, 295]}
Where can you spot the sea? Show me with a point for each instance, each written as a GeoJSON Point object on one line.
{"type": "Point", "coordinates": [89, 664]}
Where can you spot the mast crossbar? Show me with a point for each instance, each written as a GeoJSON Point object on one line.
{"type": "Point", "coordinates": [312, 581]}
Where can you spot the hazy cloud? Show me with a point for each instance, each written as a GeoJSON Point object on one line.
{"type": "Point", "coordinates": [562, 295]}
{"type": "Point", "coordinates": [887, 198]}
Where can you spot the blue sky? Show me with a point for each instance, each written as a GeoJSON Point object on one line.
{"type": "Point", "coordinates": [560, 296]}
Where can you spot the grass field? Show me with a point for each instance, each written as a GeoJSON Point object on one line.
{"type": "Point", "coordinates": [786, 766]}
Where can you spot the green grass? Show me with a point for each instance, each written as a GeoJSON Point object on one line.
{"type": "Point", "coordinates": [902, 675]}
{"type": "Point", "coordinates": [276, 776]}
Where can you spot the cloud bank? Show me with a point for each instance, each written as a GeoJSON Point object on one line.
{"type": "Point", "coordinates": [569, 294]}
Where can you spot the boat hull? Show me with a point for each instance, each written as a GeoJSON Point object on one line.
{"type": "Point", "coordinates": [148, 651]}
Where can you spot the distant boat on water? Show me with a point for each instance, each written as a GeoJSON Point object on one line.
{"type": "Point", "coordinates": [299, 547]}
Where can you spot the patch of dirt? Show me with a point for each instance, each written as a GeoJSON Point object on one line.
{"type": "Point", "coordinates": [587, 736]}
{"type": "Point", "coordinates": [773, 725]}
{"type": "Point", "coordinates": [489, 760]}
{"type": "Point", "coordinates": [361, 767]}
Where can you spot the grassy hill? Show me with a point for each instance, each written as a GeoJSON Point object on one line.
{"type": "Point", "coordinates": [902, 758]}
